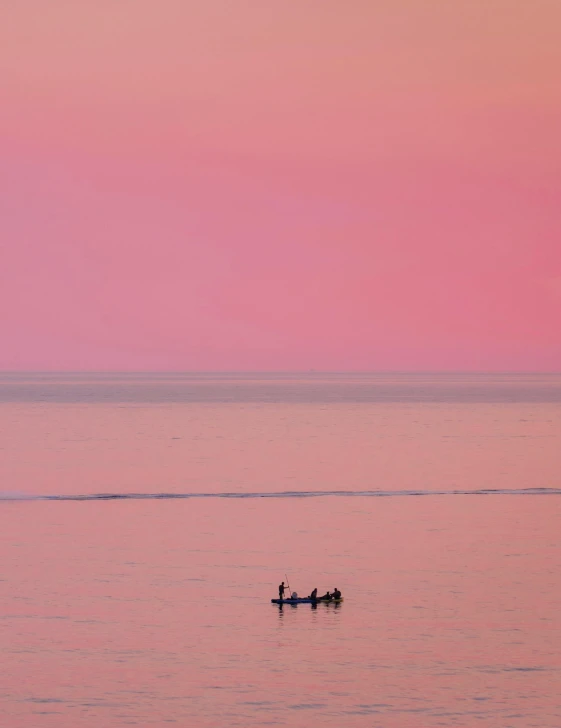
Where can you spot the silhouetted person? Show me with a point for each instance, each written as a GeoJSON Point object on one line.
{"type": "Point", "coordinates": [281, 590]}
{"type": "Point", "coordinates": [336, 594]}
{"type": "Point", "coordinates": [326, 596]}
{"type": "Point", "coordinates": [314, 594]}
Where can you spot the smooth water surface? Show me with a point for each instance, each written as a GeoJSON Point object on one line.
{"type": "Point", "coordinates": [156, 610]}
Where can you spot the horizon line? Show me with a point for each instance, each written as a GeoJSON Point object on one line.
{"type": "Point", "coordinates": [280, 371]}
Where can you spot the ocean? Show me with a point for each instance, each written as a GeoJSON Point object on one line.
{"type": "Point", "coordinates": [146, 521]}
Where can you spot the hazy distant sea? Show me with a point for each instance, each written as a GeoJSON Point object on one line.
{"type": "Point", "coordinates": [146, 521]}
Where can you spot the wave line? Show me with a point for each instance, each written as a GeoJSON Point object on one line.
{"type": "Point", "coordinates": [278, 494]}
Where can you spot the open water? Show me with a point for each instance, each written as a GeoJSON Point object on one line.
{"type": "Point", "coordinates": [146, 521]}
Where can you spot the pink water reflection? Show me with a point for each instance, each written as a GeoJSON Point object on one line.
{"type": "Point", "coordinates": [155, 610]}
{"type": "Point", "coordinates": [270, 447]}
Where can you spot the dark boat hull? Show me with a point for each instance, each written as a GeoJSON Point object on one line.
{"type": "Point", "coordinates": [306, 600]}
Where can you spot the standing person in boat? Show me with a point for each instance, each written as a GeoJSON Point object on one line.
{"type": "Point", "coordinates": [314, 594]}
{"type": "Point", "coordinates": [336, 594]}
{"type": "Point", "coordinates": [282, 589]}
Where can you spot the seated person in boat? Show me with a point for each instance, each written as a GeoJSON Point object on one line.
{"type": "Point", "coordinates": [336, 594]}
{"type": "Point", "coordinates": [327, 596]}
{"type": "Point", "coordinates": [314, 594]}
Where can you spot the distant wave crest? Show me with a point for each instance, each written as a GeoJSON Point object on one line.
{"type": "Point", "coordinates": [278, 494]}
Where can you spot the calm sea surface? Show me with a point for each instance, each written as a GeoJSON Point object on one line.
{"type": "Point", "coordinates": [146, 521]}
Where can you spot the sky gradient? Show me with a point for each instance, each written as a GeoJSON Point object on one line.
{"type": "Point", "coordinates": [280, 185]}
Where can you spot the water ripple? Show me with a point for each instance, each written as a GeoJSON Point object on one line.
{"type": "Point", "coordinates": [278, 494]}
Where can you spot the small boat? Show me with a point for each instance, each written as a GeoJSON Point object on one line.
{"type": "Point", "coordinates": [306, 600]}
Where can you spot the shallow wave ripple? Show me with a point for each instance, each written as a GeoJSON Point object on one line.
{"type": "Point", "coordinates": [279, 494]}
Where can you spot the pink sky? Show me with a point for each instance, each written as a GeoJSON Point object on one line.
{"type": "Point", "coordinates": [280, 185]}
